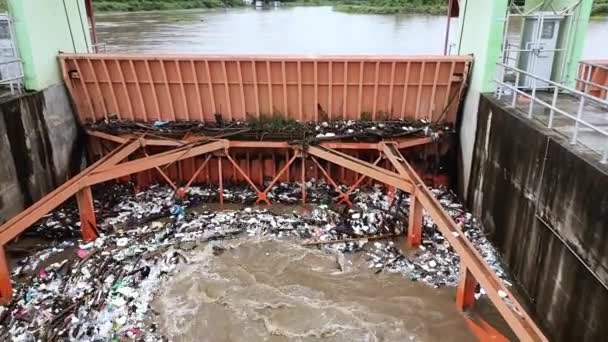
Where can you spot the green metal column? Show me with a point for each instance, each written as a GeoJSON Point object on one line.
{"type": "Point", "coordinates": [480, 31]}
{"type": "Point", "coordinates": [43, 28]}
{"type": "Point", "coordinates": [481, 25]}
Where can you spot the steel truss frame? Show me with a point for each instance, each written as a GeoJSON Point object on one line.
{"type": "Point", "coordinates": [116, 165]}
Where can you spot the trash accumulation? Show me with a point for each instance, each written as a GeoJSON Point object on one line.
{"type": "Point", "coordinates": [279, 129]}
{"type": "Point", "coordinates": [102, 290]}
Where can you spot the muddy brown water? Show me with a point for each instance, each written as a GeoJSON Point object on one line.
{"type": "Point", "coordinates": [279, 290]}
{"type": "Point", "coordinates": [290, 30]}
{"type": "Point", "coordinates": [268, 290]}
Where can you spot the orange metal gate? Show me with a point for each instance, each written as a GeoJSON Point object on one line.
{"type": "Point", "coordinates": [593, 78]}
{"type": "Point", "coordinates": [307, 88]}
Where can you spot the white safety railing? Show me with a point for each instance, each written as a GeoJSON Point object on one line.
{"type": "Point", "coordinates": [11, 68]}
{"type": "Point", "coordinates": [584, 99]}
{"type": "Point", "coordinates": [99, 48]}
{"type": "Point", "coordinates": [585, 78]}
{"type": "Point", "coordinates": [14, 78]}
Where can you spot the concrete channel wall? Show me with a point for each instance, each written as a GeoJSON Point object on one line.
{"type": "Point", "coordinates": [546, 206]}
{"type": "Point", "coordinates": [39, 147]}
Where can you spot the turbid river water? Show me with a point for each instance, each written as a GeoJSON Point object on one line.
{"type": "Point", "coordinates": [269, 291]}
{"type": "Point", "coordinates": [299, 30]}
{"type": "Point", "coordinates": [279, 291]}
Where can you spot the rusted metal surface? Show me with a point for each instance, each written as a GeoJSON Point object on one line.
{"type": "Point", "coordinates": [196, 87]}
{"type": "Point", "coordinates": [17, 224]}
{"type": "Point", "coordinates": [262, 160]}
{"type": "Point", "coordinates": [474, 268]}
{"type": "Point", "coordinates": [514, 313]}
{"type": "Point", "coordinates": [88, 224]}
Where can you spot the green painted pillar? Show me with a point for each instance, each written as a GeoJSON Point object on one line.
{"type": "Point", "coordinates": [480, 32]}
{"type": "Point", "coordinates": [43, 29]}
{"type": "Point", "coordinates": [481, 25]}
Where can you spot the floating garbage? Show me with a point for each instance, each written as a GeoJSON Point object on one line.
{"type": "Point", "coordinates": [102, 290]}
{"type": "Point", "coordinates": [280, 129]}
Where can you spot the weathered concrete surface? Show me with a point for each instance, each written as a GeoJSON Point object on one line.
{"type": "Point", "coordinates": [546, 205]}
{"type": "Point", "coordinates": [38, 147]}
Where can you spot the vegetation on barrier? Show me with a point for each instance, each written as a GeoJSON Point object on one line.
{"type": "Point", "coordinates": [378, 6]}
{"type": "Point", "coordinates": [151, 5]}
{"type": "Point", "coordinates": [600, 8]}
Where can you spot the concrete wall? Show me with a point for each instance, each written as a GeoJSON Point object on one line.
{"type": "Point", "coordinates": [481, 25]}
{"type": "Point", "coordinates": [43, 29]}
{"type": "Point", "coordinates": [546, 206]}
{"type": "Point", "coordinates": [39, 147]}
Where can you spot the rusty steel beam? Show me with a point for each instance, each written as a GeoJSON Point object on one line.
{"type": "Point", "coordinates": [414, 231]}
{"type": "Point", "coordinates": [406, 179]}
{"type": "Point", "coordinates": [482, 329]}
{"type": "Point", "coordinates": [276, 178]}
{"type": "Point", "coordinates": [514, 313]}
{"type": "Point", "coordinates": [147, 163]}
{"type": "Point", "coordinates": [6, 287]}
{"type": "Point", "coordinates": [26, 218]}
{"type": "Point", "coordinates": [364, 168]}
{"type": "Point", "coordinates": [401, 142]}
{"type": "Point", "coordinates": [106, 136]}
{"type": "Point", "coordinates": [126, 152]}
{"type": "Point", "coordinates": [88, 223]}
{"type": "Point", "coordinates": [261, 195]}
{"type": "Point", "coordinates": [198, 171]}
{"type": "Point", "coordinates": [343, 197]}
{"type": "Point", "coordinates": [465, 294]}
{"type": "Point", "coordinates": [162, 173]}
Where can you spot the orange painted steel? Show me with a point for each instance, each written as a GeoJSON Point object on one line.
{"type": "Point", "coordinates": [308, 88]}
{"type": "Point", "coordinates": [262, 160]}
{"type": "Point", "coordinates": [17, 224]}
{"type": "Point", "coordinates": [88, 224]}
{"type": "Point", "coordinates": [482, 329]}
{"type": "Point", "coordinates": [6, 286]}
{"type": "Point", "coordinates": [147, 163]}
{"type": "Point", "coordinates": [402, 143]}
{"type": "Point", "coordinates": [595, 72]}
{"type": "Point", "coordinates": [475, 270]}
{"type": "Point", "coordinates": [414, 231]}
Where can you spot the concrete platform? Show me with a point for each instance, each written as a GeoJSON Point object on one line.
{"type": "Point", "coordinates": [592, 113]}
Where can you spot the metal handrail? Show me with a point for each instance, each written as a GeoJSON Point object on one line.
{"type": "Point", "coordinates": [595, 65]}
{"type": "Point", "coordinates": [10, 62]}
{"type": "Point", "coordinates": [557, 89]}
{"type": "Point", "coordinates": [555, 84]}
{"type": "Point", "coordinates": [591, 83]}
{"type": "Point", "coordinates": [11, 81]}
{"type": "Point", "coordinates": [97, 48]}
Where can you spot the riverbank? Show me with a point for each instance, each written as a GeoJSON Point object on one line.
{"type": "Point", "coordinates": [371, 9]}
{"type": "Point", "coordinates": [154, 5]}
{"type": "Point", "coordinates": [600, 7]}
{"type": "Point", "coordinates": [347, 6]}
{"type": "Point", "coordinates": [375, 6]}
